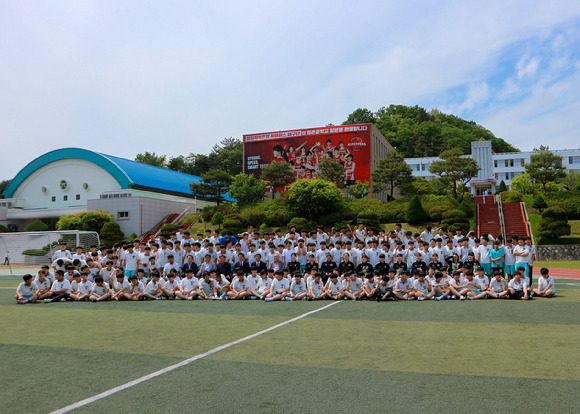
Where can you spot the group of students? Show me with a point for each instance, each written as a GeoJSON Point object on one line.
{"type": "Point", "coordinates": [300, 265]}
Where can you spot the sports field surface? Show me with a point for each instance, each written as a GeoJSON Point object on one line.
{"type": "Point", "coordinates": [489, 356]}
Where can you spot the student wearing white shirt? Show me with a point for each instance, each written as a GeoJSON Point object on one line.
{"type": "Point", "coordinates": [240, 286]}
{"type": "Point", "coordinates": [280, 287]}
{"type": "Point", "coordinates": [42, 285]}
{"type": "Point", "coordinates": [517, 288]}
{"type": "Point", "coordinates": [120, 285]}
{"type": "Point", "coordinates": [298, 288]}
{"type": "Point", "coordinates": [207, 287]}
{"type": "Point", "coordinates": [130, 260]}
{"type": "Point", "coordinates": [25, 291]}
{"type": "Point", "coordinates": [369, 285]}
{"type": "Point", "coordinates": [60, 288]}
{"type": "Point", "coordinates": [427, 235]}
{"type": "Point", "coordinates": [136, 289]}
{"type": "Point", "coordinates": [100, 291]}
{"type": "Point", "coordinates": [334, 288]}
{"type": "Point", "coordinates": [262, 288]}
{"type": "Point", "coordinates": [84, 288]}
{"type": "Point", "coordinates": [521, 253]}
{"type": "Point", "coordinates": [458, 285]}
{"type": "Point", "coordinates": [316, 290]}
{"type": "Point", "coordinates": [440, 286]}
{"type": "Point", "coordinates": [172, 286]}
{"type": "Point", "coordinates": [546, 286]}
{"type": "Point", "coordinates": [475, 290]}
{"type": "Point", "coordinates": [497, 286]}
{"type": "Point", "coordinates": [423, 288]}
{"type": "Point", "coordinates": [189, 286]}
{"type": "Point", "coordinates": [404, 287]}
{"type": "Point", "coordinates": [353, 288]}
{"type": "Point", "coordinates": [153, 288]}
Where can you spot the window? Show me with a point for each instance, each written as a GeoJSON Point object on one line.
{"type": "Point", "coordinates": [495, 163]}
{"type": "Point", "coordinates": [523, 162]}
{"type": "Point", "coordinates": [122, 215]}
{"type": "Point", "coordinates": [509, 163]}
{"type": "Point", "coordinates": [53, 199]}
{"type": "Point", "coordinates": [78, 196]}
{"type": "Point", "coordinates": [65, 198]}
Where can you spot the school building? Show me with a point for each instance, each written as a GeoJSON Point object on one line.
{"type": "Point", "coordinates": [494, 167]}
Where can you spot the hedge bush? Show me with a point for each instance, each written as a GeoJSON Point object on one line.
{"type": "Point", "coordinates": [37, 225]}
{"type": "Point", "coordinates": [437, 212]}
{"type": "Point", "coordinates": [415, 213]}
{"type": "Point", "coordinates": [111, 233]}
{"type": "Point", "coordinates": [300, 223]}
{"type": "Point", "coordinates": [455, 219]}
{"type": "Point", "coordinates": [253, 217]}
{"type": "Point", "coordinates": [277, 218]}
{"type": "Point", "coordinates": [235, 226]}
{"type": "Point", "coordinates": [169, 228]}
{"type": "Point", "coordinates": [569, 201]}
{"type": "Point", "coordinates": [511, 197]}
{"type": "Point", "coordinates": [3, 229]}
{"type": "Point", "coordinates": [369, 218]}
{"type": "Point", "coordinates": [554, 223]}
{"type": "Point", "coordinates": [35, 252]}
{"type": "Point", "coordinates": [468, 206]}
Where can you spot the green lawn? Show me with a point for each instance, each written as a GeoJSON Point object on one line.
{"type": "Point", "coordinates": [473, 356]}
{"type": "Point", "coordinates": [568, 264]}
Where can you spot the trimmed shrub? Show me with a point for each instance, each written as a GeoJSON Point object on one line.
{"type": "Point", "coordinates": [217, 219]}
{"type": "Point", "coordinates": [169, 228]}
{"type": "Point", "coordinates": [468, 206]}
{"type": "Point", "coordinates": [235, 226]}
{"type": "Point", "coordinates": [511, 197]}
{"type": "Point", "coordinates": [253, 216]}
{"type": "Point", "coordinates": [277, 218]}
{"type": "Point", "coordinates": [415, 213]}
{"type": "Point", "coordinates": [37, 225]}
{"type": "Point", "coordinates": [35, 252]}
{"type": "Point", "coordinates": [111, 233]}
{"type": "Point", "coordinates": [370, 219]}
{"type": "Point", "coordinates": [455, 219]}
{"type": "Point", "coordinates": [208, 212]}
{"type": "Point", "coordinates": [300, 223]}
{"type": "Point", "coordinates": [436, 212]}
{"type": "Point", "coordinates": [539, 203]}
{"type": "Point", "coordinates": [394, 213]}
{"type": "Point", "coordinates": [3, 229]}
{"type": "Point", "coordinates": [554, 223]}
{"type": "Point", "coordinates": [566, 200]}
{"type": "Point", "coordinates": [502, 187]}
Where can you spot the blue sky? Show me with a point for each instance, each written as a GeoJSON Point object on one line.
{"type": "Point", "coordinates": [175, 77]}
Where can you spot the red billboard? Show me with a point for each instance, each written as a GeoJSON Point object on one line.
{"type": "Point", "coordinates": [305, 148]}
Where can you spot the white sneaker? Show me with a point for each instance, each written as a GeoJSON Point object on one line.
{"type": "Point", "coordinates": [470, 297]}
{"type": "Point", "coordinates": [290, 299]}
{"type": "Point", "coordinates": [420, 298]}
{"type": "Point", "coordinates": [439, 298]}
{"type": "Point", "coordinates": [432, 298]}
{"type": "Point", "coordinates": [47, 300]}
{"type": "Point", "coordinates": [461, 297]}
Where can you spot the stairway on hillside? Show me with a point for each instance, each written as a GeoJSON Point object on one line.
{"type": "Point", "coordinates": [515, 220]}
{"type": "Point", "coordinates": [488, 219]}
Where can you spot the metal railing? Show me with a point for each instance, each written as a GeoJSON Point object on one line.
{"type": "Point", "coordinates": [501, 217]}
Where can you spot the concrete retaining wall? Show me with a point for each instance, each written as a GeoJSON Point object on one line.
{"type": "Point", "coordinates": [567, 252]}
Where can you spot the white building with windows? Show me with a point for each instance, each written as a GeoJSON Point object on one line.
{"type": "Point", "coordinates": [494, 167]}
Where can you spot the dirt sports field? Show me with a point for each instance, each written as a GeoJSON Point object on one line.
{"type": "Point", "coordinates": [488, 356]}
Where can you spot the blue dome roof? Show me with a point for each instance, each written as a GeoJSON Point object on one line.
{"type": "Point", "coordinates": [128, 173]}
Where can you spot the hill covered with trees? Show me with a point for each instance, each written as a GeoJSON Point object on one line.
{"type": "Point", "coordinates": [414, 132]}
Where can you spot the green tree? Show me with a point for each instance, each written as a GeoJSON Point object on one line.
{"type": "Point", "coordinates": [88, 221]}
{"type": "Point", "coordinates": [523, 184]}
{"type": "Point", "coordinates": [572, 181]}
{"type": "Point", "coordinates": [455, 169]}
{"type": "Point", "coordinates": [37, 225]}
{"type": "Point", "coordinates": [3, 185]}
{"type": "Point", "coordinates": [229, 154]}
{"type": "Point", "coordinates": [277, 175]}
{"type": "Point", "coordinates": [421, 186]}
{"type": "Point", "coordinates": [539, 203]}
{"type": "Point", "coordinates": [392, 171]}
{"type": "Point", "coordinates": [331, 170]}
{"type": "Point", "coordinates": [217, 219]}
{"type": "Point", "coordinates": [151, 159]}
{"type": "Point", "coordinates": [545, 166]}
{"type": "Point", "coordinates": [415, 213]}
{"type": "Point", "coordinates": [111, 233]}
{"type": "Point", "coordinates": [554, 223]}
{"type": "Point", "coordinates": [468, 206]}
{"type": "Point", "coordinates": [455, 219]}
{"type": "Point", "coordinates": [359, 190]}
{"type": "Point", "coordinates": [502, 187]}
{"type": "Point", "coordinates": [214, 185]}
{"type": "Point", "coordinates": [313, 198]}
{"type": "Point", "coordinates": [360, 116]}
{"type": "Point", "coordinates": [247, 188]}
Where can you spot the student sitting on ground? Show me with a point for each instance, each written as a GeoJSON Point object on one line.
{"type": "Point", "coordinates": [100, 291]}
{"type": "Point", "coordinates": [497, 286]}
{"type": "Point", "coordinates": [25, 291]}
{"type": "Point", "coordinates": [298, 289]}
{"type": "Point", "coordinates": [334, 288]}
{"type": "Point", "coordinates": [546, 286]}
{"type": "Point", "coordinates": [517, 288]}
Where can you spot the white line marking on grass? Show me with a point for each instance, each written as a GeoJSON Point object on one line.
{"type": "Point", "coordinates": [182, 363]}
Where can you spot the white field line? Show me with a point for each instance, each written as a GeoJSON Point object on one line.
{"type": "Point", "coordinates": [137, 381]}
